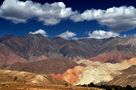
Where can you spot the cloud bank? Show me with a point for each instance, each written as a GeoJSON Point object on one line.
{"type": "Point", "coordinates": [68, 35]}
{"type": "Point", "coordinates": [118, 19]}
{"type": "Point", "coordinates": [101, 34]}
{"type": "Point", "coordinates": [40, 31]}
{"type": "Point", "coordinates": [20, 11]}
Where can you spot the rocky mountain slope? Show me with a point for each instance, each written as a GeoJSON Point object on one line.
{"type": "Point", "coordinates": [48, 66]}
{"type": "Point", "coordinates": [37, 47]}
{"type": "Point", "coordinates": [112, 57]}
{"type": "Point", "coordinates": [97, 72]}
{"type": "Point", "coordinates": [128, 77]}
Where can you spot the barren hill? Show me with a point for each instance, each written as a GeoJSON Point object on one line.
{"type": "Point", "coordinates": [128, 77]}
{"type": "Point", "coordinates": [16, 80]}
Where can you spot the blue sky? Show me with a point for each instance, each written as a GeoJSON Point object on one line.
{"type": "Point", "coordinates": [55, 17]}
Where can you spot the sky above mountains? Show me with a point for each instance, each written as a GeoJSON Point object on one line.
{"type": "Point", "coordinates": [68, 18]}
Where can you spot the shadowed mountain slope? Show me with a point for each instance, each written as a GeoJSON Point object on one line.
{"type": "Point", "coordinates": [37, 47]}
{"type": "Point", "coordinates": [47, 66]}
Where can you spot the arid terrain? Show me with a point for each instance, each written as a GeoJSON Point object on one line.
{"type": "Point", "coordinates": [122, 73]}
{"type": "Point", "coordinates": [60, 64]}
{"type": "Point", "coordinates": [17, 80]}
{"type": "Point", "coordinates": [67, 44]}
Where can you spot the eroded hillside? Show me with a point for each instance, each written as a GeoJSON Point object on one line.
{"type": "Point", "coordinates": [98, 72]}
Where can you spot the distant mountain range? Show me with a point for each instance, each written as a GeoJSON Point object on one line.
{"type": "Point", "coordinates": [37, 47]}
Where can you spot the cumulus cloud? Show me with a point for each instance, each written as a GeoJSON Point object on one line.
{"type": "Point", "coordinates": [117, 18]}
{"type": "Point", "coordinates": [68, 35]}
{"type": "Point", "coordinates": [101, 34]}
{"type": "Point", "coordinates": [40, 31]}
{"type": "Point", "coordinates": [21, 11]}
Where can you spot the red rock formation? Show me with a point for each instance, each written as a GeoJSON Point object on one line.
{"type": "Point", "coordinates": [57, 76]}
{"type": "Point", "coordinates": [7, 57]}
{"type": "Point", "coordinates": [71, 75]}
{"type": "Point", "coordinates": [112, 57]}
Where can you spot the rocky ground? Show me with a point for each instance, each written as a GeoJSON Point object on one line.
{"type": "Point", "coordinates": [17, 80]}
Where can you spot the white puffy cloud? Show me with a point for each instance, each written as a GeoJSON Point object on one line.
{"type": "Point", "coordinates": [40, 31]}
{"type": "Point", "coordinates": [20, 11]}
{"type": "Point", "coordinates": [101, 34]}
{"type": "Point", "coordinates": [68, 35]}
{"type": "Point", "coordinates": [117, 18]}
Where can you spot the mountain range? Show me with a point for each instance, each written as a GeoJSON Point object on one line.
{"type": "Point", "coordinates": [34, 47]}
{"type": "Point", "coordinates": [71, 60]}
